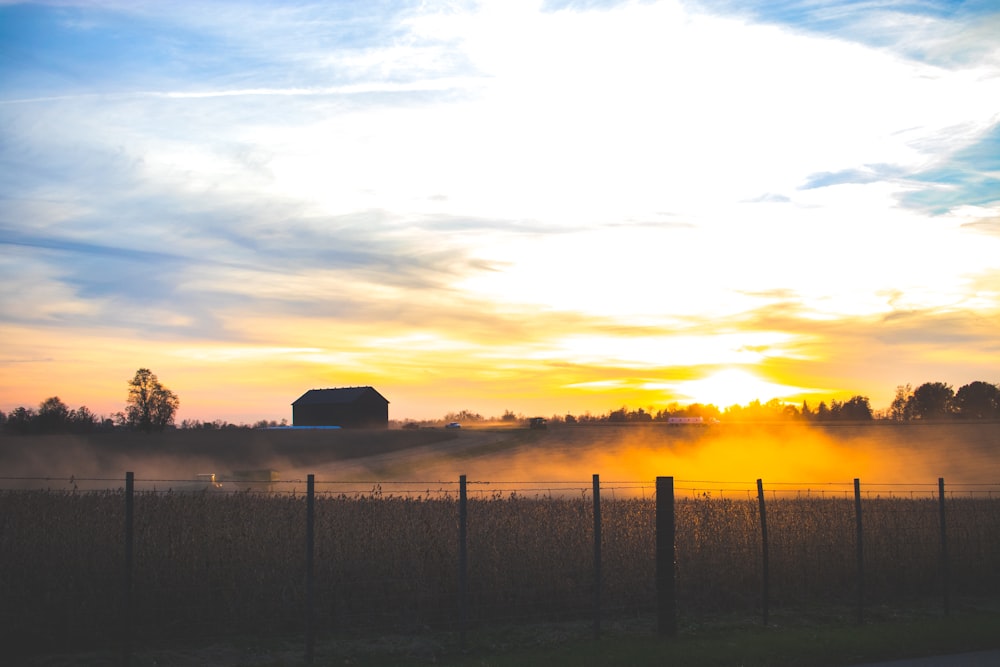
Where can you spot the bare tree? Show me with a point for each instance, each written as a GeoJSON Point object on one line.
{"type": "Point", "coordinates": [902, 406]}
{"type": "Point", "coordinates": [150, 405]}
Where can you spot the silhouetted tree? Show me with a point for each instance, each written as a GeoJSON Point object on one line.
{"type": "Point", "coordinates": [619, 415]}
{"type": "Point", "coordinates": [932, 400]}
{"type": "Point", "coordinates": [463, 416]}
{"type": "Point", "coordinates": [150, 405]}
{"type": "Point", "coordinates": [902, 407]}
{"type": "Point", "coordinates": [790, 412]}
{"type": "Point", "coordinates": [53, 415]}
{"type": "Point", "coordinates": [21, 420]}
{"type": "Point", "coordinates": [857, 408]}
{"type": "Point", "coordinates": [705, 411]}
{"type": "Point", "coordinates": [82, 419]}
{"type": "Point", "coordinates": [640, 415]}
{"type": "Point", "coordinates": [978, 400]}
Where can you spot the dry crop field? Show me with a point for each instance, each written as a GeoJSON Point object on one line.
{"type": "Point", "coordinates": [231, 562]}
{"type": "Point", "coordinates": [208, 565]}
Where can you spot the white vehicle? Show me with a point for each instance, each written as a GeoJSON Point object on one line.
{"type": "Point", "coordinates": [686, 421]}
{"type": "Point", "coordinates": [453, 425]}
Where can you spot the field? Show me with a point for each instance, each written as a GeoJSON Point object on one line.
{"type": "Point", "coordinates": [230, 562]}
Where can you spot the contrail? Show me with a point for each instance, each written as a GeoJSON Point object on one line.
{"type": "Point", "coordinates": [448, 83]}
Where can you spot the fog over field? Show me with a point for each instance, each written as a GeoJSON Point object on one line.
{"type": "Point", "coordinates": [730, 456]}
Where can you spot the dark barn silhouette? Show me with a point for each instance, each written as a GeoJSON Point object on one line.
{"type": "Point", "coordinates": [348, 407]}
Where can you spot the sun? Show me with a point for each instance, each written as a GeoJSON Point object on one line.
{"type": "Point", "coordinates": [733, 386]}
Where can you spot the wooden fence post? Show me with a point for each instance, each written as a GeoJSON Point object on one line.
{"type": "Point", "coordinates": [463, 559]}
{"type": "Point", "coordinates": [860, 546]}
{"type": "Point", "coordinates": [666, 557]}
{"type": "Point", "coordinates": [126, 620]}
{"type": "Point", "coordinates": [765, 578]}
{"type": "Point", "coordinates": [310, 570]}
{"type": "Point", "coordinates": [597, 556]}
{"type": "Point", "coordinates": [945, 565]}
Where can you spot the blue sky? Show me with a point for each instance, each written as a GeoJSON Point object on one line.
{"type": "Point", "coordinates": [536, 206]}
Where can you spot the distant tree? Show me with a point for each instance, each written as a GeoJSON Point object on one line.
{"type": "Point", "coordinates": [902, 407]}
{"type": "Point", "coordinates": [570, 419]}
{"type": "Point", "coordinates": [619, 415]}
{"type": "Point", "coordinates": [705, 411]}
{"type": "Point", "coordinates": [773, 410]}
{"type": "Point", "coordinates": [82, 420]}
{"type": "Point", "coordinates": [822, 412]}
{"type": "Point", "coordinates": [978, 400]}
{"type": "Point", "coordinates": [150, 405]}
{"type": "Point", "coordinates": [807, 413]}
{"type": "Point", "coordinates": [640, 415]}
{"type": "Point", "coordinates": [932, 400]}
{"type": "Point", "coordinates": [53, 415]}
{"type": "Point", "coordinates": [463, 416]}
{"type": "Point", "coordinates": [673, 409]}
{"type": "Point", "coordinates": [21, 420]}
{"type": "Point", "coordinates": [857, 408]}
{"type": "Point", "coordinates": [508, 416]}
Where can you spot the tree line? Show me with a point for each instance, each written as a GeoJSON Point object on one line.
{"type": "Point", "coordinates": [929, 401]}
{"type": "Point", "coordinates": [150, 406]}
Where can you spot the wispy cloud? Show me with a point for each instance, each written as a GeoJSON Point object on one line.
{"type": "Point", "coordinates": [969, 176]}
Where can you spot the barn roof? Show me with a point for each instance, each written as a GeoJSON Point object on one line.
{"type": "Point", "coordinates": [342, 395]}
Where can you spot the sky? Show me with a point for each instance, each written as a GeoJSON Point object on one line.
{"type": "Point", "coordinates": [542, 207]}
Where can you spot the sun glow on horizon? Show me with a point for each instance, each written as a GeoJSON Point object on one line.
{"type": "Point", "coordinates": [733, 386]}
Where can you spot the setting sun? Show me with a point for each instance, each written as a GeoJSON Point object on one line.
{"type": "Point", "coordinates": [733, 386]}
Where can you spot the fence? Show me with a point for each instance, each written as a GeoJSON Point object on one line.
{"type": "Point", "coordinates": [324, 558]}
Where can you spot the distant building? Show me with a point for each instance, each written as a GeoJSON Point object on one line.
{"type": "Point", "coordinates": [686, 421]}
{"type": "Point", "coordinates": [348, 407]}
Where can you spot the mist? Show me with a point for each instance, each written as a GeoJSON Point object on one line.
{"type": "Point", "coordinates": [888, 458]}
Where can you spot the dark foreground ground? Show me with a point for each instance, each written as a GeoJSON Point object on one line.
{"type": "Point", "coordinates": [962, 639]}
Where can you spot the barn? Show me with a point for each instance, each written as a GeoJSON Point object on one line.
{"type": "Point", "coordinates": [347, 407]}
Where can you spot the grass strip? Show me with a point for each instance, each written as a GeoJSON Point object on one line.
{"type": "Point", "coordinates": [819, 646]}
